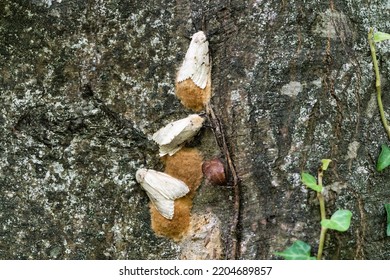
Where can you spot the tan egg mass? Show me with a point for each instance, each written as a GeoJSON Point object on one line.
{"type": "Point", "coordinates": [185, 165]}
{"type": "Point", "coordinates": [192, 96]}
{"type": "Point", "coordinates": [193, 82]}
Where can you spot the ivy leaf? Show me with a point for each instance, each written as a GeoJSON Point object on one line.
{"type": "Point", "coordinates": [325, 163]}
{"type": "Point", "coordinates": [310, 182]}
{"type": "Point", "coordinates": [298, 251]}
{"type": "Point", "coordinates": [340, 220]}
{"type": "Point", "coordinates": [387, 207]}
{"type": "Point", "coordinates": [384, 158]}
{"type": "Point", "coordinates": [381, 36]}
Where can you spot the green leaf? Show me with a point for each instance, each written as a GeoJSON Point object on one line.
{"type": "Point", "coordinates": [298, 251]}
{"type": "Point", "coordinates": [310, 182]}
{"type": "Point", "coordinates": [384, 158]}
{"type": "Point", "coordinates": [381, 36]}
{"type": "Point", "coordinates": [387, 207]}
{"type": "Point", "coordinates": [325, 163]}
{"type": "Point", "coordinates": [340, 220]}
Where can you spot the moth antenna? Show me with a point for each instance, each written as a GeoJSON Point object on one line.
{"type": "Point", "coordinates": [193, 27]}
{"type": "Point", "coordinates": [199, 19]}
{"type": "Point", "coordinates": [206, 123]}
{"type": "Point", "coordinates": [187, 34]}
{"type": "Point", "coordinates": [203, 115]}
{"type": "Point", "coordinates": [144, 160]}
{"type": "Point", "coordinates": [204, 25]}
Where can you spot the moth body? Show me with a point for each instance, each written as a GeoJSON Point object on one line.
{"type": "Point", "coordinates": [172, 137]}
{"type": "Point", "coordinates": [196, 65]}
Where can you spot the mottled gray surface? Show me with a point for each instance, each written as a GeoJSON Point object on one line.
{"type": "Point", "coordinates": [292, 82]}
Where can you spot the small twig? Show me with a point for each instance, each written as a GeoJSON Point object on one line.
{"type": "Point", "coordinates": [221, 141]}
{"type": "Point", "coordinates": [323, 214]}
{"type": "Point", "coordinates": [319, 194]}
{"type": "Point", "coordinates": [378, 81]}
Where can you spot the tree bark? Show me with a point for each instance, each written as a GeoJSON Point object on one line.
{"type": "Point", "coordinates": [84, 85]}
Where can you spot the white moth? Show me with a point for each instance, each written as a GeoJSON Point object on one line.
{"type": "Point", "coordinates": [196, 65]}
{"type": "Point", "coordinates": [162, 189]}
{"type": "Point", "coordinates": [171, 137]}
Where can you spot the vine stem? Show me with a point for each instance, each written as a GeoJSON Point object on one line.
{"type": "Point", "coordinates": [323, 215]}
{"type": "Point", "coordinates": [221, 140]}
{"type": "Point", "coordinates": [322, 242]}
{"type": "Point", "coordinates": [378, 81]}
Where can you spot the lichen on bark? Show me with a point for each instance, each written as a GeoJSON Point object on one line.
{"type": "Point", "coordinates": [83, 85]}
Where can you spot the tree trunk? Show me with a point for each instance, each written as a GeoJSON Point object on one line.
{"type": "Point", "coordinates": [84, 85]}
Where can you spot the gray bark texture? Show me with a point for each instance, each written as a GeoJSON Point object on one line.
{"type": "Point", "coordinates": [84, 85]}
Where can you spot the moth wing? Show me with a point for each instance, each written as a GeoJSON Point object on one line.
{"type": "Point", "coordinates": [187, 69]}
{"type": "Point", "coordinates": [169, 150]}
{"type": "Point", "coordinates": [167, 186]}
{"type": "Point", "coordinates": [196, 63]}
{"type": "Point", "coordinates": [166, 134]}
{"type": "Point", "coordinates": [165, 207]}
{"type": "Point", "coordinates": [162, 190]}
{"type": "Point", "coordinates": [202, 66]}
{"type": "Point", "coordinates": [172, 137]}
{"type": "Point", "coordinates": [163, 135]}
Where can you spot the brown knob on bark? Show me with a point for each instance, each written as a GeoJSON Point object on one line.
{"type": "Point", "coordinates": [214, 171]}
